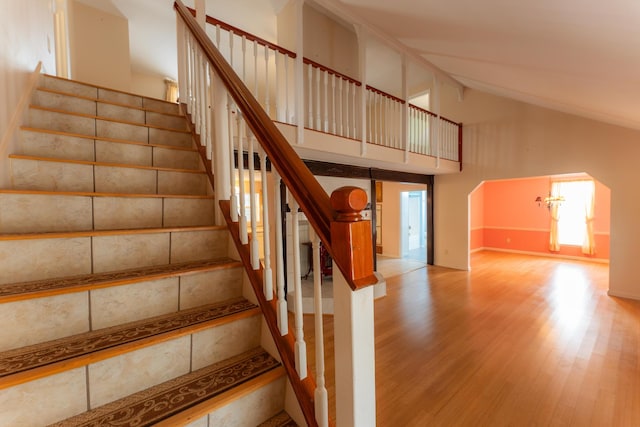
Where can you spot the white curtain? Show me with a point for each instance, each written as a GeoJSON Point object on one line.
{"type": "Point", "coordinates": [554, 241]}
{"type": "Point", "coordinates": [171, 90]}
{"type": "Point", "coordinates": [589, 243]}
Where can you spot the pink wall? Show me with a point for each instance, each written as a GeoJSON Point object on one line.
{"type": "Point", "coordinates": [511, 220]}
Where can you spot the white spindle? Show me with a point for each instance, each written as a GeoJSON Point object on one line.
{"type": "Point", "coordinates": [347, 97]}
{"type": "Point", "coordinates": [354, 110]}
{"type": "Point", "coordinates": [326, 102]}
{"type": "Point", "coordinates": [340, 107]}
{"type": "Point", "coordinates": [300, 345]}
{"type": "Point", "coordinates": [233, 200]}
{"type": "Point", "coordinates": [335, 103]}
{"type": "Point", "coordinates": [255, 70]}
{"type": "Point", "coordinates": [266, 80]}
{"type": "Point", "coordinates": [310, 84]}
{"type": "Point", "coordinates": [318, 109]}
{"type": "Point", "coordinates": [209, 110]}
{"type": "Point", "coordinates": [231, 55]}
{"type": "Point", "coordinates": [266, 234]}
{"type": "Point", "coordinates": [255, 253]}
{"type": "Point", "coordinates": [320, 394]}
{"type": "Point", "coordinates": [242, 217]}
{"type": "Point", "coordinates": [286, 89]}
{"type": "Point", "coordinates": [283, 321]}
{"type": "Point", "coordinates": [218, 36]}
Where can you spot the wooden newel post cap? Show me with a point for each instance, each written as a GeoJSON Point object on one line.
{"type": "Point", "coordinates": [348, 202]}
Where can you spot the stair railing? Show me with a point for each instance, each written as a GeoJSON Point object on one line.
{"type": "Point", "coordinates": [240, 143]}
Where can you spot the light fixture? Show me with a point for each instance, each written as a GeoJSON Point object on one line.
{"type": "Point", "coordinates": [549, 200]}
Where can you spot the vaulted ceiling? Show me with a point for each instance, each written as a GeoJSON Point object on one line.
{"type": "Point", "coordinates": [577, 56]}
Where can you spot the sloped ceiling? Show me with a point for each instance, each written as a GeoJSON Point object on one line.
{"type": "Point", "coordinates": [577, 56]}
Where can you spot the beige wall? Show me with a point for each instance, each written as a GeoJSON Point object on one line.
{"type": "Point", "coordinates": [509, 139]}
{"type": "Point", "coordinates": [26, 38]}
{"type": "Point", "coordinates": [99, 45]}
{"type": "Point", "coordinates": [330, 43]}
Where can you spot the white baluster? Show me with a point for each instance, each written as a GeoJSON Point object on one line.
{"type": "Point", "coordinates": [266, 235]}
{"type": "Point", "coordinates": [255, 70]}
{"type": "Point", "coordinates": [266, 81]}
{"type": "Point", "coordinates": [244, 59]}
{"type": "Point", "coordinates": [326, 102]}
{"type": "Point", "coordinates": [209, 111]}
{"type": "Point", "coordinates": [255, 253]}
{"type": "Point", "coordinates": [196, 93]}
{"type": "Point", "coordinates": [318, 109]}
{"type": "Point", "coordinates": [218, 36]}
{"type": "Point", "coordinates": [231, 54]}
{"type": "Point", "coordinates": [242, 217]}
{"type": "Point", "coordinates": [278, 104]}
{"type": "Point", "coordinates": [310, 84]}
{"type": "Point", "coordinates": [283, 321]}
{"type": "Point", "coordinates": [340, 106]}
{"type": "Point", "coordinates": [354, 111]}
{"type": "Point", "coordinates": [182, 58]}
{"type": "Point", "coordinates": [233, 200]}
{"type": "Point", "coordinates": [286, 89]}
{"type": "Point", "coordinates": [300, 345]}
{"type": "Point", "coordinates": [321, 400]}
{"type": "Point", "coordinates": [335, 103]}
{"type": "Point", "coordinates": [347, 98]}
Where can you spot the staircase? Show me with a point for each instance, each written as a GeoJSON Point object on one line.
{"type": "Point", "coordinates": [121, 300]}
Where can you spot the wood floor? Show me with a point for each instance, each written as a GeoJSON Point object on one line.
{"type": "Point", "coordinates": [518, 341]}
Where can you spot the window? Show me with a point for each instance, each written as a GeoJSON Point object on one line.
{"type": "Point", "coordinates": [575, 212]}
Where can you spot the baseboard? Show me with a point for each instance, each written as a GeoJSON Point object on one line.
{"type": "Point", "coordinates": [623, 295]}
{"type": "Point", "coordinates": [540, 254]}
{"type": "Point", "coordinates": [7, 144]}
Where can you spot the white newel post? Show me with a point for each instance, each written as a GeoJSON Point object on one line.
{"type": "Point", "coordinates": [354, 343]}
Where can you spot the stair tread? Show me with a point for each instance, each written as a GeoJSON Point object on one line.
{"type": "Point", "coordinates": [103, 138]}
{"type": "Point", "coordinates": [97, 194]}
{"type": "Point", "coordinates": [104, 101]}
{"type": "Point", "coordinates": [160, 402]}
{"type": "Point", "coordinates": [106, 119]}
{"type": "Point", "coordinates": [282, 419]}
{"type": "Point", "coordinates": [93, 163]}
{"type": "Point", "coordinates": [47, 287]}
{"type": "Point", "coordinates": [92, 233]}
{"type": "Point", "coordinates": [87, 344]}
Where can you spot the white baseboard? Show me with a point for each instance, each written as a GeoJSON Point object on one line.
{"type": "Point", "coordinates": [540, 254]}
{"type": "Point", "coordinates": [623, 295]}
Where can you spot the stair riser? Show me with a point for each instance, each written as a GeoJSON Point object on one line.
{"type": "Point", "coordinates": [44, 175]}
{"type": "Point", "coordinates": [36, 259]}
{"type": "Point", "coordinates": [29, 213]}
{"type": "Point", "coordinates": [56, 146]}
{"type": "Point", "coordinates": [102, 382]}
{"type": "Point", "coordinates": [87, 91]}
{"type": "Point", "coordinates": [52, 120]}
{"type": "Point", "coordinates": [43, 319]}
{"type": "Point", "coordinates": [249, 410]}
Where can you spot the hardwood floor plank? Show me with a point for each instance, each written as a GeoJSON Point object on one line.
{"type": "Point", "coordinates": [516, 341]}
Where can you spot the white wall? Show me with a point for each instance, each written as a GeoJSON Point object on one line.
{"type": "Point", "coordinates": [508, 139]}
{"type": "Point", "coordinates": [26, 37]}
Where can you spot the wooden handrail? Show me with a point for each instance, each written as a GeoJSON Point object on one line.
{"type": "Point", "coordinates": [385, 94]}
{"type": "Point", "coordinates": [330, 71]}
{"type": "Point", "coordinates": [434, 115]}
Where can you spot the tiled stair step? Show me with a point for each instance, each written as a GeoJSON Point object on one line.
{"type": "Point", "coordinates": [40, 360]}
{"type": "Point", "coordinates": [49, 174]}
{"type": "Point", "coordinates": [38, 256]}
{"type": "Point", "coordinates": [91, 91]}
{"type": "Point", "coordinates": [183, 399]}
{"type": "Point", "coordinates": [43, 288]}
{"type": "Point", "coordinates": [62, 101]}
{"type": "Point", "coordinates": [73, 146]}
{"type": "Point", "coordinates": [24, 211]}
{"type": "Point", "coordinates": [91, 125]}
{"type": "Point", "coordinates": [280, 420]}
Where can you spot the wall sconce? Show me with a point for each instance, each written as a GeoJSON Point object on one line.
{"type": "Point", "coordinates": [549, 200]}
